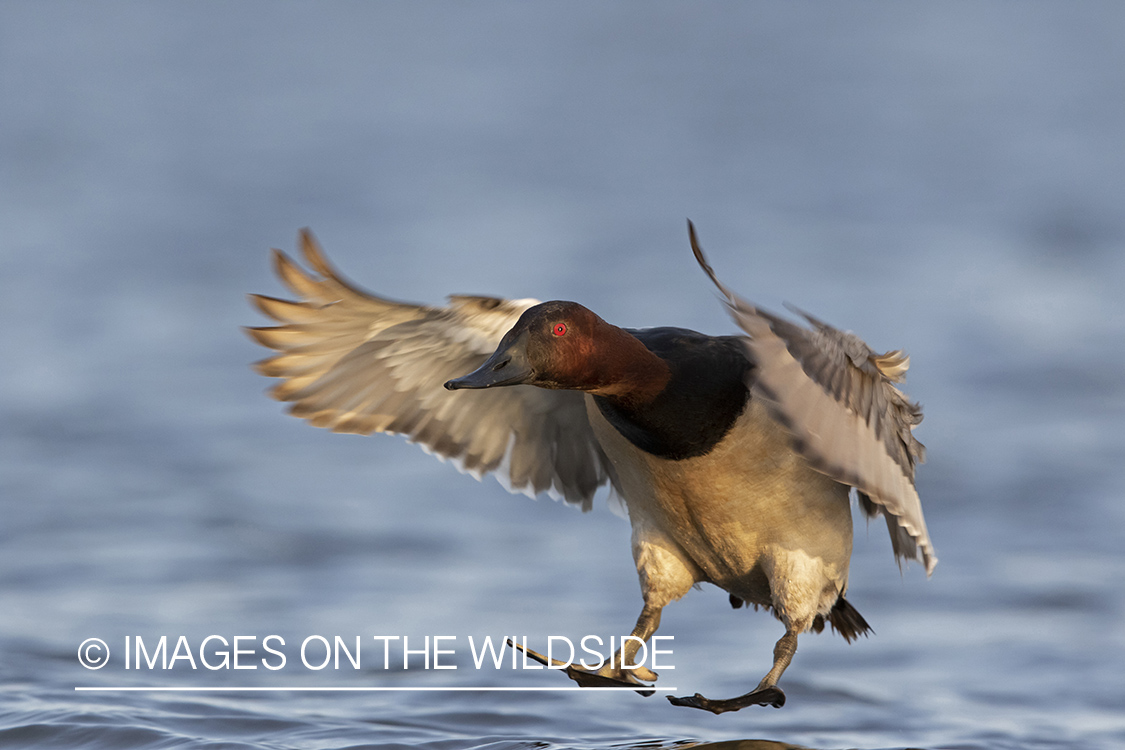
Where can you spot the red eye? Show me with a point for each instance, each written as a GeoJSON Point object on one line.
{"type": "Point", "coordinates": [559, 329]}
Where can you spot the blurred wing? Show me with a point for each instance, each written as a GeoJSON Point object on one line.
{"type": "Point", "coordinates": [354, 362]}
{"type": "Point", "coordinates": [837, 399]}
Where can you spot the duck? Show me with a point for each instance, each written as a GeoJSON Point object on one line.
{"type": "Point", "coordinates": [736, 456]}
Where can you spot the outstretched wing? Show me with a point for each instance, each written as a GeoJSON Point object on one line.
{"type": "Point", "coordinates": [838, 400]}
{"type": "Point", "coordinates": [354, 362]}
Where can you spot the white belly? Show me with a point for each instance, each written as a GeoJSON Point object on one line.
{"type": "Point", "coordinates": [751, 516]}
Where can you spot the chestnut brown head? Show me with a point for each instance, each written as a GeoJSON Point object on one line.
{"type": "Point", "coordinates": [554, 345]}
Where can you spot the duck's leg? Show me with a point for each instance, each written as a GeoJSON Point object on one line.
{"type": "Point", "coordinates": [666, 575]}
{"type": "Point", "coordinates": [766, 694]}
{"type": "Point", "coordinates": [617, 671]}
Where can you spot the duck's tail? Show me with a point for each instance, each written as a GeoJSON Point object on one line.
{"type": "Point", "coordinates": [845, 620]}
{"type": "Point", "coordinates": [843, 617]}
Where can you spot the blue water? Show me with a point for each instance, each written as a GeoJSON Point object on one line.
{"type": "Point", "coordinates": [946, 178]}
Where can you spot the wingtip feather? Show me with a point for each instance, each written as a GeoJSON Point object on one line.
{"type": "Point", "coordinates": [701, 259]}
{"type": "Point", "coordinates": [294, 277]}
{"type": "Point", "coordinates": [260, 335]}
{"type": "Point", "coordinates": [314, 255]}
{"type": "Point", "coordinates": [283, 311]}
{"type": "Point", "coordinates": [280, 338]}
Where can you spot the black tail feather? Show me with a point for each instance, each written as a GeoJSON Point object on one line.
{"type": "Point", "coordinates": [843, 617]}
{"type": "Point", "coordinates": [847, 621]}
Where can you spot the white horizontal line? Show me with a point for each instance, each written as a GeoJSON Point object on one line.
{"type": "Point", "coordinates": [135, 689]}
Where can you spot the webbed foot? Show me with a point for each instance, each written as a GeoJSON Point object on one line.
{"type": "Point", "coordinates": [767, 696]}
{"type": "Point", "coordinates": [604, 677]}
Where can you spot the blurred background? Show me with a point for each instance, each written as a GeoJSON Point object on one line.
{"type": "Point", "coordinates": [947, 178]}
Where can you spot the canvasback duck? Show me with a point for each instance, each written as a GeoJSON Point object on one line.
{"type": "Point", "coordinates": [734, 455]}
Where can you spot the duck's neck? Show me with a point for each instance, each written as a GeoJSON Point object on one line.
{"type": "Point", "coordinates": [626, 371]}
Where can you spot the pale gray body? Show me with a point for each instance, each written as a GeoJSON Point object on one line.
{"type": "Point", "coordinates": [750, 516]}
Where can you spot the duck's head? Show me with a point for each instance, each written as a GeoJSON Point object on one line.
{"type": "Point", "coordinates": [562, 345]}
{"type": "Point", "coordinates": [552, 345]}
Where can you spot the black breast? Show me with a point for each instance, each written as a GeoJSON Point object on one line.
{"type": "Point", "coordinates": [705, 395]}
